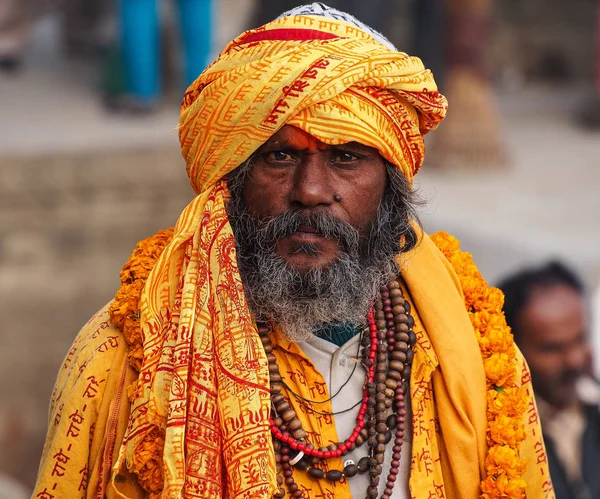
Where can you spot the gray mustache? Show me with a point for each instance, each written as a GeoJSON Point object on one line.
{"type": "Point", "coordinates": [272, 229]}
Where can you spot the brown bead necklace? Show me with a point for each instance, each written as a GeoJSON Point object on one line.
{"type": "Point", "coordinates": [386, 355]}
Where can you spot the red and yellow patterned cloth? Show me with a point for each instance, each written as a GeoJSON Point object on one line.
{"type": "Point", "coordinates": [198, 419]}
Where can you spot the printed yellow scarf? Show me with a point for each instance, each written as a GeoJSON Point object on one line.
{"type": "Point", "coordinates": [199, 416]}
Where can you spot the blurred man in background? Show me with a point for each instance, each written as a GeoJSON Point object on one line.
{"type": "Point", "coordinates": [140, 23]}
{"type": "Point", "coordinates": [545, 308]}
{"type": "Point", "coordinates": [15, 26]}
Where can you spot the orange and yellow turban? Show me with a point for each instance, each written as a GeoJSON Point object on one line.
{"type": "Point", "coordinates": [199, 417]}
{"type": "Point", "coordinates": [324, 76]}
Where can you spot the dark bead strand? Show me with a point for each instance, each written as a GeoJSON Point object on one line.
{"type": "Point", "coordinates": [292, 487]}
{"type": "Point", "coordinates": [370, 416]}
{"type": "Point", "coordinates": [398, 356]}
{"type": "Point", "coordinates": [374, 467]}
{"type": "Point", "coordinates": [376, 442]}
{"type": "Point", "coordinates": [389, 339]}
{"type": "Point", "coordinates": [282, 406]}
{"type": "Point", "coordinates": [387, 307]}
{"type": "Point", "coordinates": [398, 441]}
{"type": "Point", "coordinates": [386, 388]}
{"type": "Point", "coordinates": [280, 494]}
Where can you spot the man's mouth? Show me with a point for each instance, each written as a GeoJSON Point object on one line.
{"type": "Point", "coordinates": [307, 229]}
{"type": "Point", "coordinates": [308, 235]}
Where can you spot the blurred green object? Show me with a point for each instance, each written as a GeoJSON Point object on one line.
{"type": "Point", "coordinates": [113, 83]}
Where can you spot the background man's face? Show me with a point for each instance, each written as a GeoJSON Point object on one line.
{"type": "Point", "coordinates": [295, 171]}
{"type": "Point", "coordinates": [552, 329]}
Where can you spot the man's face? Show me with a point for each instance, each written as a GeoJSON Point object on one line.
{"type": "Point", "coordinates": [293, 171]}
{"type": "Point", "coordinates": [552, 328]}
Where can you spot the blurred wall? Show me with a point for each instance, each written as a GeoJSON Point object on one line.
{"type": "Point", "coordinates": [68, 222]}
{"type": "Point", "coordinates": [547, 40]}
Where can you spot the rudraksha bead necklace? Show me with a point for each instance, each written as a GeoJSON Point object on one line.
{"type": "Point", "coordinates": [387, 356]}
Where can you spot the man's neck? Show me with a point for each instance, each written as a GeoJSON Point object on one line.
{"type": "Point", "coordinates": [549, 411]}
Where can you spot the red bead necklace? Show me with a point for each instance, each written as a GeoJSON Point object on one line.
{"type": "Point", "coordinates": [344, 447]}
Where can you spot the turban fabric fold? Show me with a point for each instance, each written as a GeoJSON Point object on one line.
{"type": "Point", "coordinates": [324, 76]}
{"type": "Point", "coordinates": [199, 422]}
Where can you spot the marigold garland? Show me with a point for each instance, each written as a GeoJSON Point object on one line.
{"type": "Point", "coordinates": [506, 401]}
{"type": "Point", "coordinates": [124, 313]}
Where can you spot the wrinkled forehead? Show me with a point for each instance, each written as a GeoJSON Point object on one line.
{"type": "Point", "coordinates": [295, 138]}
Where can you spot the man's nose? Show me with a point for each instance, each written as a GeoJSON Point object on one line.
{"type": "Point", "coordinates": [576, 357]}
{"type": "Point", "coordinates": [312, 183]}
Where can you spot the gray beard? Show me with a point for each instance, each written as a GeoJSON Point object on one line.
{"type": "Point", "coordinates": [340, 292]}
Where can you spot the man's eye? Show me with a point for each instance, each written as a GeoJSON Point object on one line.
{"type": "Point", "coordinates": [279, 156]}
{"type": "Point", "coordinates": [344, 157]}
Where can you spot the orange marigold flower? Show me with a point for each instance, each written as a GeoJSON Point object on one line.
{"type": "Point", "coordinates": [147, 461]}
{"type": "Point", "coordinates": [503, 488]}
{"type": "Point", "coordinates": [492, 299]}
{"type": "Point", "coordinates": [480, 319]}
{"type": "Point", "coordinates": [500, 368]}
{"type": "Point", "coordinates": [144, 256]}
{"type": "Point", "coordinates": [510, 401]}
{"type": "Point", "coordinates": [126, 302]}
{"type": "Point", "coordinates": [124, 313]}
{"type": "Point", "coordinates": [473, 288]}
{"type": "Point", "coordinates": [506, 403]}
{"type": "Point", "coordinates": [446, 243]}
{"type": "Point", "coordinates": [505, 430]}
{"type": "Point", "coordinates": [496, 339]}
{"type": "Point", "coordinates": [504, 460]}
{"type": "Point", "coordinates": [124, 310]}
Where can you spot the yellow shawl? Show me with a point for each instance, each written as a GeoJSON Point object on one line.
{"type": "Point", "coordinates": [89, 410]}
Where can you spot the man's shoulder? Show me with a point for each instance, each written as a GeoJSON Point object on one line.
{"type": "Point", "coordinates": [92, 353]}
{"type": "Point", "coordinates": [97, 338]}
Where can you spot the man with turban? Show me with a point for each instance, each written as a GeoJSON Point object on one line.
{"type": "Point", "coordinates": [297, 334]}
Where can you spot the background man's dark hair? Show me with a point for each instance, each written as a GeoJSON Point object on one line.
{"type": "Point", "coordinates": [518, 287]}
